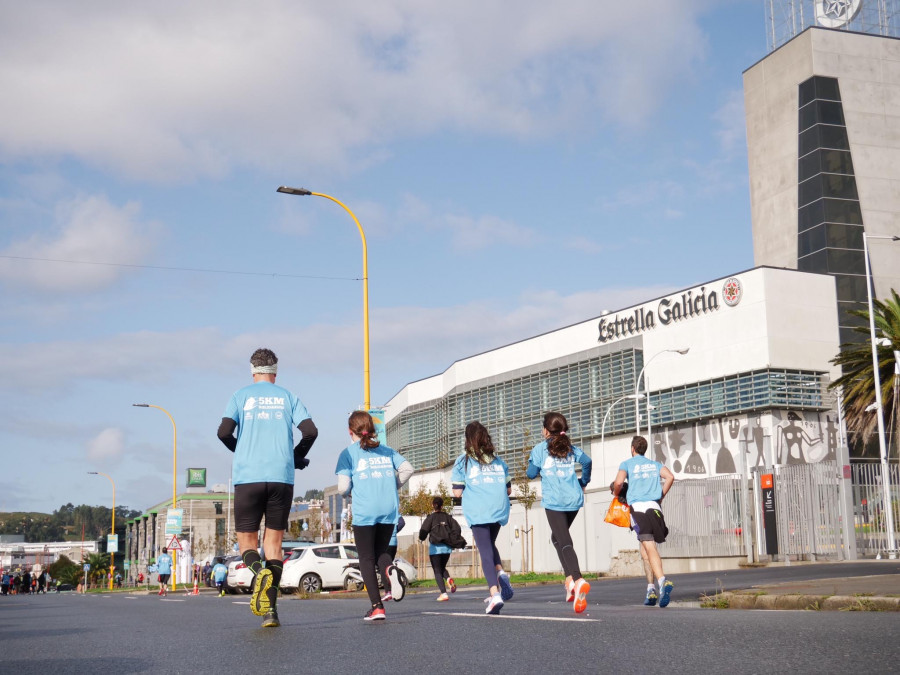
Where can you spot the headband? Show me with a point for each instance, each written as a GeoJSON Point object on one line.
{"type": "Point", "coordinates": [264, 370]}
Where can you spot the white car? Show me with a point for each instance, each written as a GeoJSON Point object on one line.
{"type": "Point", "coordinates": [328, 566]}
{"type": "Point", "coordinates": [239, 578]}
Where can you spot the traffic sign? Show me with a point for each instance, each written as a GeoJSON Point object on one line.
{"type": "Point", "coordinates": [173, 544]}
{"type": "Point", "coordinates": [87, 567]}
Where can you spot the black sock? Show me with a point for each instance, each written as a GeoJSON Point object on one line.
{"type": "Point", "coordinates": [276, 567]}
{"type": "Point", "coordinates": [252, 560]}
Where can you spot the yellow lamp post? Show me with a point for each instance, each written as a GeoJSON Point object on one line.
{"type": "Point", "coordinates": [112, 554]}
{"type": "Point", "coordinates": [174, 475]}
{"type": "Point", "coordinates": [304, 192]}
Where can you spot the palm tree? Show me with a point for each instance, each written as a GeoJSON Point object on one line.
{"type": "Point", "coordinates": [858, 380]}
{"type": "Point", "coordinates": [99, 563]}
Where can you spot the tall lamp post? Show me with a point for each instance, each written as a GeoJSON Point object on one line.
{"type": "Point", "coordinates": [627, 397]}
{"type": "Point", "coordinates": [879, 410]}
{"type": "Point", "coordinates": [174, 474]}
{"type": "Point", "coordinates": [303, 192]}
{"type": "Point", "coordinates": [112, 554]}
{"type": "Point", "coordinates": [637, 384]}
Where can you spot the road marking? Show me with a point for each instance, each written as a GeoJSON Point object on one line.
{"type": "Point", "coordinates": [513, 616]}
{"type": "Point", "coordinates": [240, 602]}
{"type": "Point", "coordinates": [172, 600]}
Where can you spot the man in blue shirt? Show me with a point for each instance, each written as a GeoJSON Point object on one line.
{"type": "Point", "coordinates": [164, 570]}
{"type": "Point", "coordinates": [648, 483]}
{"type": "Point", "coordinates": [265, 458]}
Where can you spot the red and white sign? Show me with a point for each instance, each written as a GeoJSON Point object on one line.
{"type": "Point", "coordinates": [173, 544]}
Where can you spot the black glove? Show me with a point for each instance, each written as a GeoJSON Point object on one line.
{"type": "Point", "coordinates": [300, 463]}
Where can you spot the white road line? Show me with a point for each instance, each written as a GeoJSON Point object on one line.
{"type": "Point", "coordinates": [240, 602]}
{"type": "Point", "coordinates": [172, 600]}
{"type": "Point", "coordinates": [512, 616]}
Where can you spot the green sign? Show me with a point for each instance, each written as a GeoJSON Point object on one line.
{"type": "Point", "coordinates": [127, 565]}
{"type": "Point", "coordinates": [196, 477]}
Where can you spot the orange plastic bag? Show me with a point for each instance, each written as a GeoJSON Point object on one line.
{"type": "Point", "coordinates": [618, 514]}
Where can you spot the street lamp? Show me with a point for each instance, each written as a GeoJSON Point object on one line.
{"type": "Point", "coordinates": [879, 410]}
{"type": "Point", "coordinates": [627, 397]}
{"type": "Point", "coordinates": [303, 192]}
{"type": "Point", "coordinates": [637, 383]}
{"type": "Point", "coordinates": [174, 472]}
{"type": "Point", "coordinates": [112, 554]}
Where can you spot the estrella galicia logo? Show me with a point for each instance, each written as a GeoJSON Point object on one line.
{"type": "Point", "coordinates": [732, 291]}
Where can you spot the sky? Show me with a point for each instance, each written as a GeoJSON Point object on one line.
{"type": "Point", "coordinates": [514, 172]}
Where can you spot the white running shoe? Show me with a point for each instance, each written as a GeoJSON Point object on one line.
{"type": "Point", "coordinates": [495, 605]}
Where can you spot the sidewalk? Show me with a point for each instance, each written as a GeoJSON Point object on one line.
{"type": "Point", "coordinates": [879, 592]}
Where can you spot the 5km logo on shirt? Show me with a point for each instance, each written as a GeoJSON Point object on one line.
{"type": "Point", "coordinates": [266, 402]}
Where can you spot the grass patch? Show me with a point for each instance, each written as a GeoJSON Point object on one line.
{"type": "Point", "coordinates": [716, 601]}
{"type": "Point", "coordinates": [861, 605]}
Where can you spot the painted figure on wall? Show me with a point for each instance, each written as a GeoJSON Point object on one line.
{"type": "Point", "coordinates": [790, 438]}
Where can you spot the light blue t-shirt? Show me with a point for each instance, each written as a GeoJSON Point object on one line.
{"type": "Point", "coordinates": [484, 498]}
{"type": "Point", "coordinates": [266, 415]}
{"type": "Point", "coordinates": [373, 483]}
{"type": "Point", "coordinates": [436, 549]}
{"type": "Point", "coordinates": [164, 563]}
{"type": "Point", "coordinates": [219, 572]}
{"type": "Point", "coordinates": [561, 489]}
{"type": "Point", "coordinates": [643, 479]}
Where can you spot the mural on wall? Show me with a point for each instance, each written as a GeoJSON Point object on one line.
{"type": "Point", "coordinates": [722, 445]}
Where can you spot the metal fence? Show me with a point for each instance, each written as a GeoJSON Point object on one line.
{"type": "Point", "coordinates": [704, 516]}
{"type": "Point", "coordinates": [868, 507]}
{"type": "Point", "coordinates": [807, 498]}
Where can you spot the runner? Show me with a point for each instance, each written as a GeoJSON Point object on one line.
{"type": "Point", "coordinates": [484, 478]}
{"type": "Point", "coordinates": [219, 573]}
{"type": "Point", "coordinates": [372, 472]}
{"type": "Point", "coordinates": [164, 570]}
{"type": "Point", "coordinates": [437, 528]}
{"type": "Point", "coordinates": [562, 495]}
{"type": "Point", "coordinates": [264, 416]}
{"type": "Point", "coordinates": [645, 492]}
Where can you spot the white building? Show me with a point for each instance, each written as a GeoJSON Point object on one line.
{"type": "Point", "coordinates": [751, 392]}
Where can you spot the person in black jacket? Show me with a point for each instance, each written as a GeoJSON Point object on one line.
{"type": "Point", "coordinates": [439, 525]}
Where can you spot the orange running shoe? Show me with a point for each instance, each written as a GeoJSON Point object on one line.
{"type": "Point", "coordinates": [582, 588]}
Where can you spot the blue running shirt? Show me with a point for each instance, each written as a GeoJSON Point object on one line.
{"type": "Point", "coordinates": [373, 483]}
{"type": "Point", "coordinates": [643, 479]}
{"type": "Point", "coordinates": [484, 498]}
{"type": "Point", "coordinates": [266, 415]}
{"type": "Point", "coordinates": [561, 489]}
{"type": "Point", "coordinates": [164, 564]}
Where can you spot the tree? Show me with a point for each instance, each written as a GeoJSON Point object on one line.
{"type": "Point", "coordinates": [524, 493]}
{"type": "Point", "coordinates": [857, 384]}
{"type": "Point", "coordinates": [65, 570]}
{"type": "Point", "coordinates": [313, 494]}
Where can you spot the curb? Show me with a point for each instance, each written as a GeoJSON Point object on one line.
{"type": "Point", "coordinates": [845, 603]}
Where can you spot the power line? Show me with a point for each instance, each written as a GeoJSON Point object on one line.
{"type": "Point", "coordinates": [181, 269]}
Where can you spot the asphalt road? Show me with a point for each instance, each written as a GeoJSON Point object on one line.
{"type": "Point", "coordinates": [537, 631]}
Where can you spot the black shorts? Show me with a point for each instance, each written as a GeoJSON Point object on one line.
{"type": "Point", "coordinates": [164, 578]}
{"type": "Point", "coordinates": [252, 501]}
{"type": "Point", "coordinates": [649, 526]}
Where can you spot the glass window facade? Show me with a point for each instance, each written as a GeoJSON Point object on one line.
{"type": "Point", "coordinates": [829, 220]}
{"type": "Point", "coordinates": [431, 435]}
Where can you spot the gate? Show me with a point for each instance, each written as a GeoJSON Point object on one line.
{"type": "Point", "coordinates": [705, 517]}
{"type": "Point", "coordinates": [807, 498]}
{"type": "Point", "coordinates": [868, 507]}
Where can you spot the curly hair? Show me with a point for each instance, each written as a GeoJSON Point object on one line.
{"type": "Point", "coordinates": [263, 357]}
{"type": "Point", "coordinates": [558, 444]}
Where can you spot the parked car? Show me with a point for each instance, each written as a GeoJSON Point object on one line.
{"type": "Point", "coordinates": [239, 579]}
{"type": "Point", "coordinates": [317, 567]}
{"type": "Point", "coordinates": [328, 566]}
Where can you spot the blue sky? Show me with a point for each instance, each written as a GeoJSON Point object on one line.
{"type": "Point", "coordinates": [515, 172]}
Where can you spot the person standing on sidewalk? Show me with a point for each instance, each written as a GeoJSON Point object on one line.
{"type": "Point", "coordinates": [562, 495]}
{"type": "Point", "coordinates": [372, 473]}
{"type": "Point", "coordinates": [482, 481]}
{"type": "Point", "coordinates": [648, 483]}
{"type": "Point", "coordinates": [164, 571]}
{"type": "Point", "coordinates": [265, 458]}
{"type": "Point", "coordinates": [437, 528]}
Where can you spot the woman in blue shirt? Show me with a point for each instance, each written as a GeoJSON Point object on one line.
{"type": "Point", "coordinates": [484, 479]}
{"type": "Point", "coordinates": [372, 473]}
{"type": "Point", "coordinates": [562, 494]}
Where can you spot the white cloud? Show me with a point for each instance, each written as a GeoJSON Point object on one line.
{"type": "Point", "coordinates": [407, 337]}
{"type": "Point", "coordinates": [106, 448]}
{"type": "Point", "coordinates": [174, 90]}
{"type": "Point", "coordinates": [87, 230]}
{"type": "Point", "coordinates": [732, 130]}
